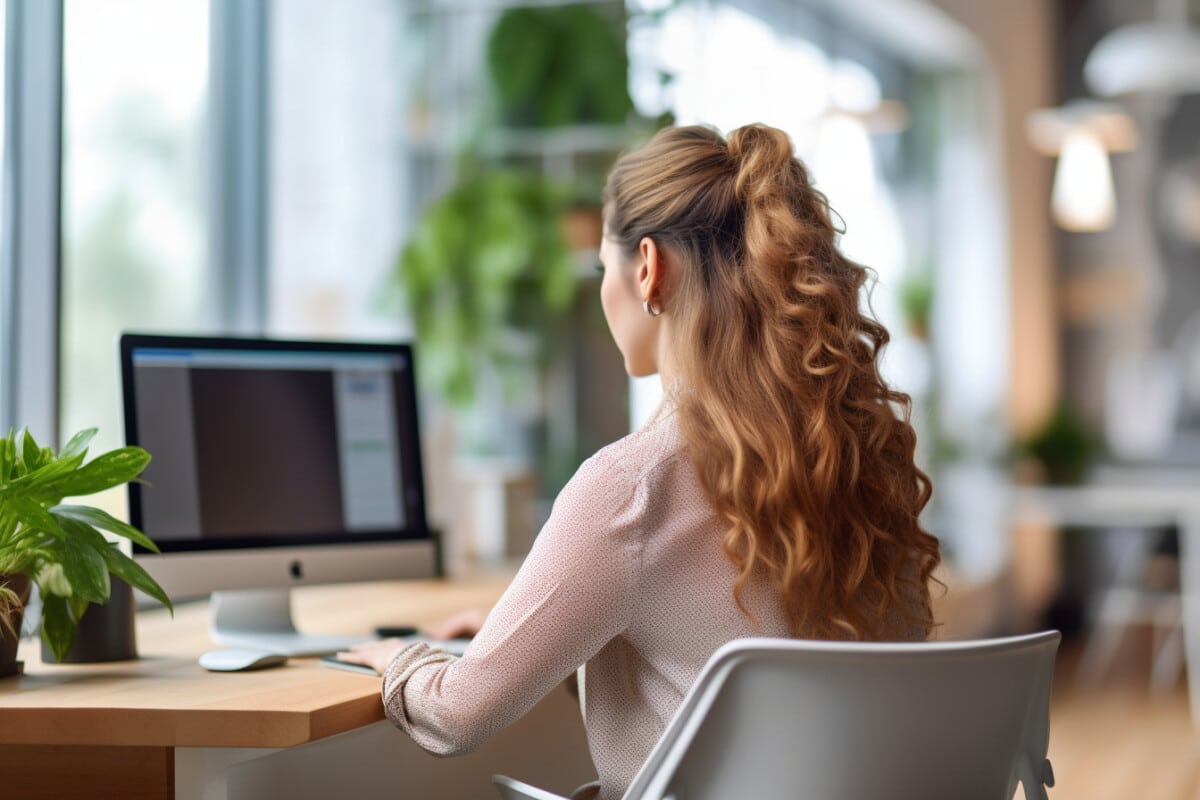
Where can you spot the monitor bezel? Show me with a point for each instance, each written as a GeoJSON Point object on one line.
{"type": "Point", "coordinates": [416, 528]}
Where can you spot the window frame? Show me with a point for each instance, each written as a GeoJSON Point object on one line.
{"type": "Point", "coordinates": [31, 245]}
{"type": "Point", "coordinates": [30, 261]}
{"type": "Point", "coordinates": [238, 197]}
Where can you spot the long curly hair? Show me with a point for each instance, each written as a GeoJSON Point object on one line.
{"type": "Point", "coordinates": [801, 446]}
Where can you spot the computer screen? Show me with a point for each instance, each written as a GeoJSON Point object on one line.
{"type": "Point", "coordinates": [274, 464]}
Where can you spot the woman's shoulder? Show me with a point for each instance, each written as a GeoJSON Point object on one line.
{"type": "Point", "coordinates": [638, 455]}
{"type": "Point", "coordinates": [621, 471]}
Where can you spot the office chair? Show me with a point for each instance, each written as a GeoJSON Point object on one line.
{"type": "Point", "coordinates": [777, 718]}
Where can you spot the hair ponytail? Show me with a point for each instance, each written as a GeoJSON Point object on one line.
{"type": "Point", "coordinates": [799, 443]}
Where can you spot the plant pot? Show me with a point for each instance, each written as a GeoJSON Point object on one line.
{"type": "Point", "coordinates": [583, 227]}
{"type": "Point", "coordinates": [10, 624]}
{"type": "Point", "coordinates": [106, 633]}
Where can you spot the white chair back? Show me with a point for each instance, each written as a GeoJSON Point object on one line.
{"type": "Point", "coordinates": [779, 718]}
{"type": "Point", "coordinates": [774, 718]}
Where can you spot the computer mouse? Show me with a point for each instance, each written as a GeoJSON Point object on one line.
{"type": "Point", "coordinates": [236, 659]}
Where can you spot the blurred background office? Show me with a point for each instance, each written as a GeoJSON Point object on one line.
{"type": "Point", "coordinates": [1024, 178]}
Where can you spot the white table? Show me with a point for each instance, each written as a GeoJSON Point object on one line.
{"type": "Point", "coordinates": [1135, 497]}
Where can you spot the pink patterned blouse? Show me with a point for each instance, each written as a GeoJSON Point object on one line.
{"type": "Point", "coordinates": [628, 578]}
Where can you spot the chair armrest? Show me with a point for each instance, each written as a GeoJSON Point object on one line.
{"type": "Point", "coordinates": [515, 790]}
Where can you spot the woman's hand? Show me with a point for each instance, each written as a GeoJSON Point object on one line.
{"type": "Point", "coordinates": [464, 624]}
{"type": "Point", "coordinates": [376, 655]}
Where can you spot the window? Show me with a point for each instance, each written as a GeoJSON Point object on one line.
{"type": "Point", "coordinates": [821, 91]}
{"type": "Point", "coordinates": [134, 249]}
{"type": "Point", "coordinates": [228, 166]}
{"type": "Point", "coordinates": [28, 278]}
{"type": "Point", "coordinates": [336, 173]}
{"type": "Point", "coordinates": [5, 284]}
{"type": "Point", "coordinates": [919, 193]}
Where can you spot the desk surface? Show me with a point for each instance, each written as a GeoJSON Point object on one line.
{"type": "Point", "coordinates": [166, 699]}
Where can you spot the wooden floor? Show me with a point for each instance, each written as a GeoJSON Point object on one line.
{"type": "Point", "coordinates": [1117, 739]}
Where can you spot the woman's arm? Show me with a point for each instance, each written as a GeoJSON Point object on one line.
{"type": "Point", "coordinates": [572, 595]}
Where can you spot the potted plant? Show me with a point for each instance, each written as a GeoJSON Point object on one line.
{"type": "Point", "coordinates": [487, 278]}
{"type": "Point", "coordinates": [554, 65]}
{"type": "Point", "coordinates": [559, 76]}
{"type": "Point", "coordinates": [1061, 451]}
{"type": "Point", "coordinates": [59, 547]}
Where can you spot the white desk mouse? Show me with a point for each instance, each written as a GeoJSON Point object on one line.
{"type": "Point", "coordinates": [235, 659]}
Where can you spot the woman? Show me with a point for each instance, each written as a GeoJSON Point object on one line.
{"type": "Point", "coordinates": [773, 494]}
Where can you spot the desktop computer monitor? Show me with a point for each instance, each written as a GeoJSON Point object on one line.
{"type": "Point", "coordinates": [274, 464]}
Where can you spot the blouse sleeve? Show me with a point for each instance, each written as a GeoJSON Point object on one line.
{"type": "Point", "coordinates": [572, 595]}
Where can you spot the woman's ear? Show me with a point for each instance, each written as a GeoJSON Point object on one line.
{"type": "Point", "coordinates": [650, 271]}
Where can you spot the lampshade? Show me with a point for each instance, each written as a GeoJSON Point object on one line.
{"type": "Point", "coordinates": [1083, 199]}
{"type": "Point", "coordinates": [1159, 56]}
{"type": "Point", "coordinates": [1082, 133]}
{"type": "Point", "coordinates": [1048, 128]}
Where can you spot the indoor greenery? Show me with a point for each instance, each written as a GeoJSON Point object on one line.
{"type": "Point", "coordinates": [556, 65]}
{"type": "Point", "coordinates": [1064, 446]}
{"type": "Point", "coordinates": [60, 547]}
{"type": "Point", "coordinates": [485, 260]}
{"type": "Point", "coordinates": [916, 301]}
{"type": "Point", "coordinates": [487, 275]}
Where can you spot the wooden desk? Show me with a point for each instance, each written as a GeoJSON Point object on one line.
{"type": "Point", "coordinates": [128, 729]}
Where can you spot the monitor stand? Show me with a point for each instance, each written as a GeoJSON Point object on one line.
{"type": "Point", "coordinates": [262, 619]}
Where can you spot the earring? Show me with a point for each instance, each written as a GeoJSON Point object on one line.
{"type": "Point", "coordinates": [651, 310]}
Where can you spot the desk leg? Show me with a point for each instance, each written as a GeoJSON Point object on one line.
{"type": "Point", "coordinates": [81, 772]}
{"type": "Point", "coordinates": [1189, 575]}
{"type": "Point", "coordinates": [201, 772]}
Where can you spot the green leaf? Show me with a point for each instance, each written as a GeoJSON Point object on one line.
{"type": "Point", "coordinates": [59, 627]}
{"type": "Point", "coordinates": [32, 515]}
{"type": "Point", "coordinates": [105, 522]}
{"type": "Point", "coordinates": [104, 472]}
{"type": "Point", "coordinates": [132, 573]}
{"type": "Point", "coordinates": [22, 562]}
{"type": "Point", "coordinates": [8, 455]}
{"type": "Point", "coordinates": [30, 452]}
{"type": "Point", "coordinates": [40, 481]}
{"type": "Point", "coordinates": [78, 444]}
{"type": "Point", "coordinates": [77, 606]}
{"type": "Point", "coordinates": [50, 578]}
{"type": "Point", "coordinates": [84, 565]}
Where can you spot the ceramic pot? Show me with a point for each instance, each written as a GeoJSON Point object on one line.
{"type": "Point", "coordinates": [583, 227]}
{"type": "Point", "coordinates": [10, 624]}
{"type": "Point", "coordinates": [106, 633]}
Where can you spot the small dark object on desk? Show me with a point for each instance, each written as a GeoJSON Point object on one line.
{"type": "Point", "coordinates": [398, 631]}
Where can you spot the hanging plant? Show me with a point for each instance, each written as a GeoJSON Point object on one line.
{"type": "Point", "coordinates": [559, 65]}
{"type": "Point", "coordinates": [486, 277]}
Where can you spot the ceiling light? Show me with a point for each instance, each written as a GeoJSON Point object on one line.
{"type": "Point", "coordinates": [1048, 128]}
{"type": "Point", "coordinates": [1082, 133]}
{"type": "Point", "coordinates": [1083, 199]}
{"type": "Point", "coordinates": [1159, 56]}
